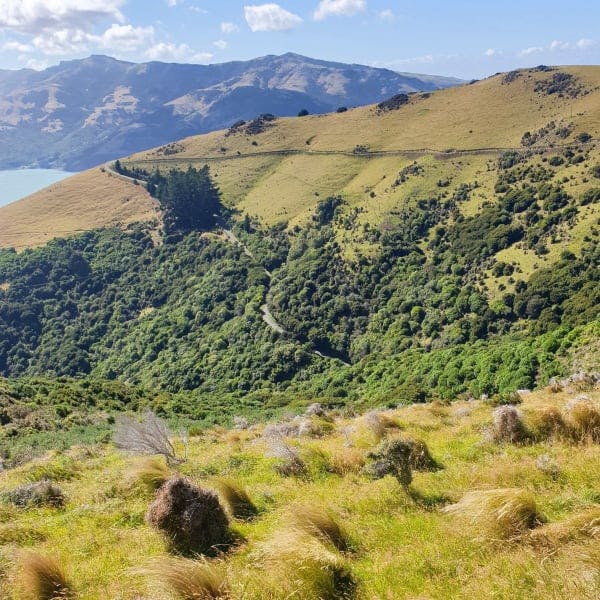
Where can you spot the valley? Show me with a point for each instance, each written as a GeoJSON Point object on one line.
{"type": "Point", "coordinates": [365, 343]}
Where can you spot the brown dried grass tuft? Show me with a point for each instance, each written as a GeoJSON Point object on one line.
{"type": "Point", "coordinates": [498, 514]}
{"type": "Point", "coordinates": [189, 579]}
{"type": "Point", "coordinates": [42, 578]}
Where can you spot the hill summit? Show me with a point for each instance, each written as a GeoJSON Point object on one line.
{"type": "Point", "coordinates": [81, 113]}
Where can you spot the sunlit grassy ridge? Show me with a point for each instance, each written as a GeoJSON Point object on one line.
{"type": "Point", "coordinates": [394, 543]}
{"type": "Point", "coordinates": [455, 136]}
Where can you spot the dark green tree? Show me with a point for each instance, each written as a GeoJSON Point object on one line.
{"type": "Point", "coordinates": [190, 200]}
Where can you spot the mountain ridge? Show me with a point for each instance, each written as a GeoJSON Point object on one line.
{"type": "Point", "coordinates": [62, 117]}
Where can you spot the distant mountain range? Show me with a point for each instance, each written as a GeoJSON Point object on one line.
{"type": "Point", "coordinates": [81, 113]}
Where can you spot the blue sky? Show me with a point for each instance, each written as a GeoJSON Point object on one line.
{"type": "Point", "coordinates": [447, 37]}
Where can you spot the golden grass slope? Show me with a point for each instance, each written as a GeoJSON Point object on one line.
{"type": "Point", "coordinates": [85, 201]}
{"type": "Point", "coordinates": [462, 531]}
{"type": "Point", "coordinates": [281, 174]}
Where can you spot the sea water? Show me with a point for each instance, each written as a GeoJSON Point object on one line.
{"type": "Point", "coordinates": [18, 183]}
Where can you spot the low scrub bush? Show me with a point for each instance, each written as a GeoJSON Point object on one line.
{"type": "Point", "coordinates": [508, 425]}
{"type": "Point", "coordinates": [499, 514]}
{"type": "Point", "coordinates": [191, 518]}
{"type": "Point", "coordinates": [38, 494]}
{"type": "Point", "coordinates": [147, 434]}
{"type": "Point", "coordinates": [392, 457]}
{"type": "Point", "coordinates": [290, 463]}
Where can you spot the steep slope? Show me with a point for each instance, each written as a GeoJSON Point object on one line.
{"type": "Point", "coordinates": [81, 113]}
{"type": "Point", "coordinates": [86, 201]}
{"type": "Point", "coordinates": [461, 260]}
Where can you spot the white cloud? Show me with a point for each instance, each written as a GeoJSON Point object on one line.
{"type": "Point", "coordinates": [531, 50]}
{"type": "Point", "coordinates": [37, 16]}
{"type": "Point", "coordinates": [346, 8]}
{"type": "Point", "coordinates": [125, 37]}
{"type": "Point", "coordinates": [491, 52]}
{"type": "Point", "coordinates": [36, 65]}
{"type": "Point", "coordinates": [177, 53]}
{"type": "Point", "coordinates": [585, 44]}
{"type": "Point", "coordinates": [560, 46]}
{"type": "Point", "coordinates": [14, 46]}
{"type": "Point", "coordinates": [62, 41]}
{"type": "Point", "coordinates": [229, 28]}
{"type": "Point", "coordinates": [173, 3]}
{"type": "Point", "coordinates": [387, 15]}
{"type": "Point", "coordinates": [220, 44]}
{"type": "Point", "coordinates": [270, 17]}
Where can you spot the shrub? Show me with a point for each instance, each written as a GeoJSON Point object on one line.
{"type": "Point", "coordinates": [503, 514]}
{"type": "Point", "coordinates": [146, 435]}
{"type": "Point", "coordinates": [191, 579]}
{"type": "Point", "coordinates": [38, 494]}
{"type": "Point", "coordinates": [321, 524]}
{"type": "Point", "coordinates": [315, 410]}
{"type": "Point", "coordinates": [420, 457]}
{"type": "Point", "coordinates": [392, 457]}
{"type": "Point", "coordinates": [236, 499]}
{"type": "Point", "coordinates": [151, 473]}
{"type": "Point", "coordinates": [508, 398]}
{"type": "Point", "coordinates": [584, 418]}
{"type": "Point", "coordinates": [508, 425]}
{"type": "Point", "coordinates": [191, 518]}
{"type": "Point", "coordinates": [41, 578]}
{"type": "Point", "coordinates": [303, 113]}
{"type": "Point", "coordinates": [342, 109]}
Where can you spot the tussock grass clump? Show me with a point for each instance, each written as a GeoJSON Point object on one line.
{"type": "Point", "coordinates": [322, 524]}
{"type": "Point", "coordinates": [583, 416]}
{"type": "Point", "coordinates": [191, 518]}
{"type": "Point", "coordinates": [236, 499]}
{"type": "Point", "coordinates": [38, 494]}
{"type": "Point", "coordinates": [290, 463]}
{"type": "Point", "coordinates": [303, 567]}
{"type": "Point", "coordinates": [189, 579]}
{"type": "Point", "coordinates": [151, 473]}
{"type": "Point", "coordinates": [585, 524]}
{"type": "Point", "coordinates": [547, 422]}
{"type": "Point", "coordinates": [42, 578]}
{"type": "Point", "coordinates": [508, 425]}
{"type": "Point", "coordinates": [371, 428]}
{"type": "Point", "coordinates": [500, 514]}
{"type": "Point", "coordinates": [346, 460]}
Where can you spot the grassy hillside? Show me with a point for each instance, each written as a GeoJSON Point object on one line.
{"type": "Point", "coordinates": [85, 201]}
{"type": "Point", "coordinates": [455, 136]}
{"type": "Point", "coordinates": [494, 509]}
{"type": "Point", "coordinates": [393, 248]}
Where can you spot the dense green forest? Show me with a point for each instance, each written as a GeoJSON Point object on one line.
{"type": "Point", "coordinates": [407, 323]}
